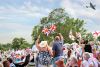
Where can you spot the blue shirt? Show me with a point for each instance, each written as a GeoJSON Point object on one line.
{"type": "Point", "coordinates": [58, 48]}
{"type": "Point", "coordinates": [12, 65]}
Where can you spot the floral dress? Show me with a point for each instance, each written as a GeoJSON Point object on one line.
{"type": "Point", "coordinates": [44, 58]}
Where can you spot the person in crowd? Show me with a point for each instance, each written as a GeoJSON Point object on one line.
{"type": "Point", "coordinates": [94, 52]}
{"type": "Point", "coordinates": [57, 48]}
{"type": "Point", "coordinates": [6, 63]}
{"type": "Point", "coordinates": [60, 63]}
{"type": "Point", "coordinates": [11, 62]}
{"type": "Point", "coordinates": [98, 58]}
{"type": "Point", "coordinates": [0, 57]}
{"type": "Point", "coordinates": [92, 44]}
{"type": "Point", "coordinates": [94, 60]}
{"type": "Point", "coordinates": [79, 50]}
{"type": "Point", "coordinates": [72, 63]}
{"type": "Point", "coordinates": [79, 61]}
{"type": "Point", "coordinates": [69, 53]}
{"type": "Point", "coordinates": [45, 54]}
{"type": "Point", "coordinates": [32, 58]}
{"type": "Point", "coordinates": [87, 62]}
{"type": "Point", "coordinates": [82, 44]}
{"type": "Point", "coordinates": [35, 52]}
{"type": "Point", "coordinates": [88, 48]}
{"type": "Point", "coordinates": [1, 65]}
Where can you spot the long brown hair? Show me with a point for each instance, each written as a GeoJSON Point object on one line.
{"type": "Point", "coordinates": [6, 63]}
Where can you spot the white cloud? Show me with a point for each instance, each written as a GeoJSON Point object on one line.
{"type": "Point", "coordinates": [2, 17]}
{"type": "Point", "coordinates": [92, 26]}
{"type": "Point", "coordinates": [25, 10]}
{"type": "Point", "coordinates": [10, 15]}
{"type": "Point", "coordinates": [9, 36]}
{"type": "Point", "coordinates": [14, 26]}
{"type": "Point", "coordinates": [5, 38]}
{"type": "Point", "coordinates": [67, 5]}
{"type": "Point", "coordinates": [78, 10]}
{"type": "Point", "coordinates": [19, 30]}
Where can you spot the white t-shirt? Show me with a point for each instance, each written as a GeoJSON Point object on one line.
{"type": "Point", "coordinates": [34, 48]}
{"type": "Point", "coordinates": [94, 62]}
{"type": "Point", "coordinates": [85, 63]}
{"type": "Point", "coordinates": [90, 61]}
{"type": "Point", "coordinates": [79, 50]}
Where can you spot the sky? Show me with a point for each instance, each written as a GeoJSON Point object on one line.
{"type": "Point", "coordinates": [18, 17]}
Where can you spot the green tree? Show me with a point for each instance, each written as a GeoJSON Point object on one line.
{"type": "Point", "coordinates": [20, 43]}
{"type": "Point", "coordinates": [10, 46]}
{"type": "Point", "coordinates": [0, 46]}
{"type": "Point", "coordinates": [89, 37]}
{"type": "Point", "coordinates": [64, 24]}
{"type": "Point", "coordinates": [16, 43]}
{"type": "Point", "coordinates": [98, 38]}
{"type": "Point", "coordinates": [5, 46]}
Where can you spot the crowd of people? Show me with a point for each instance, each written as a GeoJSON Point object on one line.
{"type": "Point", "coordinates": [16, 58]}
{"type": "Point", "coordinates": [81, 53]}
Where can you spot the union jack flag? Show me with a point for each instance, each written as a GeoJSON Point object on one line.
{"type": "Point", "coordinates": [46, 31]}
{"type": "Point", "coordinates": [96, 33]}
{"type": "Point", "coordinates": [52, 28]}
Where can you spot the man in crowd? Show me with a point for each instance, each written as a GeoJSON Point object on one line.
{"type": "Point", "coordinates": [57, 48]}
{"type": "Point", "coordinates": [87, 62]}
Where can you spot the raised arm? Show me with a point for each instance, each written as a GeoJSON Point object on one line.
{"type": "Point", "coordinates": [50, 51]}
{"type": "Point", "coordinates": [37, 43]}
{"type": "Point", "coordinates": [61, 37]}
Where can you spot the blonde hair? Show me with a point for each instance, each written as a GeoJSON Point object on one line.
{"type": "Point", "coordinates": [86, 54]}
{"type": "Point", "coordinates": [75, 60]}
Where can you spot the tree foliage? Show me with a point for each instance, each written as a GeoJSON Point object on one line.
{"type": "Point", "coordinates": [20, 43]}
{"type": "Point", "coordinates": [64, 24]}
{"type": "Point", "coordinates": [89, 37]}
{"type": "Point", "coordinates": [17, 43]}
{"type": "Point", "coordinates": [5, 46]}
{"type": "Point", "coordinates": [98, 38]}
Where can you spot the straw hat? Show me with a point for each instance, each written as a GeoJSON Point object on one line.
{"type": "Point", "coordinates": [43, 44]}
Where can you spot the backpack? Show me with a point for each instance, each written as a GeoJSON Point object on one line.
{"type": "Point", "coordinates": [44, 58]}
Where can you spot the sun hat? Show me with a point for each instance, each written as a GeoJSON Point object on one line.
{"type": "Point", "coordinates": [43, 44]}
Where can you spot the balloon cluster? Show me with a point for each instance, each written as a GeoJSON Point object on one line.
{"type": "Point", "coordinates": [47, 31]}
